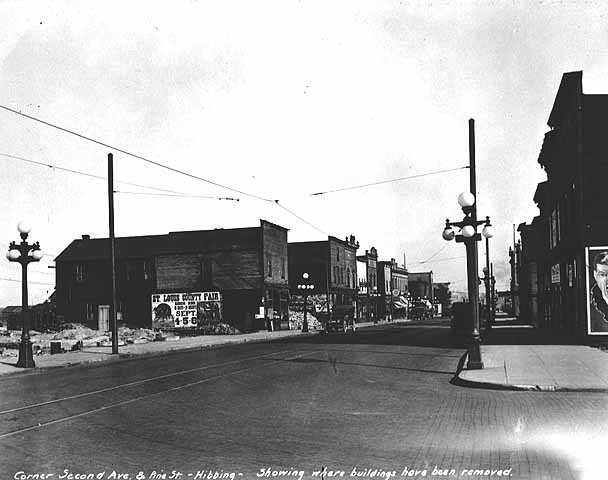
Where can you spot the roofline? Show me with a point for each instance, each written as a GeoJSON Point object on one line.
{"type": "Point", "coordinates": [158, 236]}
{"type": "Point", "coordinates": [262, 221]}
{"type": "Point", "coordinates": [312, 242]}
{"type": "Point", "coordinates": [569, 81]}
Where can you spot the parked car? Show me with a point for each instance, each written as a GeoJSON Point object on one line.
{"type": "Point", "coordinates": [421, 310]}
{"type": "Point", "coordinates": [341, 324]}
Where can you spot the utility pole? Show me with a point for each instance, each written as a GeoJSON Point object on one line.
{"type": "Point", "coordinates": [474, 361]}
{"type": "Point", "coordinates": [113, 315]}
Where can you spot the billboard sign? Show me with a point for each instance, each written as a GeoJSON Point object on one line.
{"type": "Point", "coordinates": [186, 310]}
{"type": "Point", "coordinates": [596, 261]}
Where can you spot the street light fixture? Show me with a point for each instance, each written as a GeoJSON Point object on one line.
{"type": "Point", "coordinates": [488, 232]}
{"type": "Point", "coordinates": [305, 287]}
{"type": "Point", "coordinates": [24, 253]}
{"type": "Point", "coordinates": [469, 236]}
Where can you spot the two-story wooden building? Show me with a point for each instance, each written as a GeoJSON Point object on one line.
{"type": "Point", "coordinates": [331, 268]}
{"type": "Point", "coordinates": [246, 266]}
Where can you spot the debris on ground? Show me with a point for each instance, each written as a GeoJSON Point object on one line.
{"type": "Point", "coordinates": [75, 336]}
{"type": "Point", "coordinates": [296, 319]}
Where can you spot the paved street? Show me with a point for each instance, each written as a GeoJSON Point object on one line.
{"type": "Point", "coordinates": [379, 401]}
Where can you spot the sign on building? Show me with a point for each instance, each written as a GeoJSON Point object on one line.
{"type": "Point", "coordinates": [555, 276]}
{"type": "Point", "coordinates": [186, 310]}
{"type": "Point", "coordinates": [596, 259]}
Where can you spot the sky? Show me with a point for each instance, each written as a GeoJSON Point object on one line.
{"type": "Point", "coordinates": [280, 100]}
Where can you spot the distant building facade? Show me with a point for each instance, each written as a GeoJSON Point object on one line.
{"type": "Point", "coordinates": [385, 291]}
{"type": "Point", "coordinates": [400, 289]}
{"type": "Point", "coordinates": [332, 270]}
{"type": "Point", "coordinates": [420, 285]}
{"type": "Point", "coordinates": [368, 297]}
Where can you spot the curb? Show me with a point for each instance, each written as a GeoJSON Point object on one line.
{"type": "Point", "coordinates": [125, 357]}
{"type": "Point", "coordinates": [457, 380]}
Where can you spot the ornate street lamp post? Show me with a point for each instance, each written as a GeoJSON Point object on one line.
{"type": "Point", "coordinates": [305, 287]}
{"type": "Point", "coordinates": [24, 253]}
{"type": "Point", "coordinates": [486, 277]}
{"type": "Point", "coordinates": [469, 236]}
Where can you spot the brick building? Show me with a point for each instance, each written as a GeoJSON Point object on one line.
{"type": "Point", "coordinates": [331, 268]}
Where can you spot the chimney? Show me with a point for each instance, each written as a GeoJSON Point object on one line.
{"type": "Point", "coordinates": [86, 237]}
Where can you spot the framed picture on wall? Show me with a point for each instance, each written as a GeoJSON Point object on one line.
{"type": "Point", "coordinates": [596, 261]}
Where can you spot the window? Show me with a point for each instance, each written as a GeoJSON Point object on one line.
{"type": "Point", "coordinates": [206, 272]}
{"type": "Point", "coordinates": [348, 277]}
{"type": "Point", "coordinates": [554, 227]}
{"type": "Point", "coordinates": [148, 269]}
{"type": "Point", "coordinates": [88, 312]}
{"type": "Point", "coordinates": [283, 268]}
{"type": "Point", "coordinates": [269, 268]}
{"type": "Point", "coordinates": [80, 272]}
{"type": "Point", "coordinates": [131, 270]}
{"type": "Point", "coordinates": [337, 255]}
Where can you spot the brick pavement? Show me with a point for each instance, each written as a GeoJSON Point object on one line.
{"type": "Point", "coordinates": [95, 354]}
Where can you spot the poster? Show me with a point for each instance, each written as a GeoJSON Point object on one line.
{"type": "Point", "coordinates": [596, 259]}
{"type": "Point", "coordinates": [186, 310]}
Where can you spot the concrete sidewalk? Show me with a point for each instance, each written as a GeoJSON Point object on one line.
{"type": "Point", "coordinates": [539, 367]}
{"type": "Point", "coordinates": [104, 354]}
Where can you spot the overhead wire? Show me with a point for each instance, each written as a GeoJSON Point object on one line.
{"type": "Point", "coordinates": [434, 254]}
{"type": "Point", "coordinates": [99, 177]}
{"type": "Point", "coordinates": [173, 192]}
{"type": "Point", "coordinates": [184, 195]}
{"type": "Point", "coordinates": [443, 259]}
{"type": "Point", "coordinates": [381, 182]}
{"type": "Point", "coordinates": [134, 155]}
{"type": "Point", "coordinates": [29, 281]}
{"type": "Point", "coordinates": [206, 180]}
{"type": "Point", "coordinates": [300, 218]}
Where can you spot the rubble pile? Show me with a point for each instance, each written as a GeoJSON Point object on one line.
{"type": "Point", "coordinates": [74, 336]}
{"type": "Point", "coordinates": [218, 329]}
{"type": "Point", "coordinates": [297, 318]}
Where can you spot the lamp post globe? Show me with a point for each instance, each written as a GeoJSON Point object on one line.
{"type": "Point", "coordinates": [468, 231]}
{"type": "Point", "coordinates": [13, 254]}
{"type": "Point", "coordinates": [448, 234]}
{"type": "Point", "coordinates": [305, 276]}
{"type": "Point", "coordinates": [488, 231]}
{"type": "Point", "coordinates": [37, 255]}
{"type": "Point", "coordinates": [466, 199]}
{"type": "Point", "coordinates": [24, 227]}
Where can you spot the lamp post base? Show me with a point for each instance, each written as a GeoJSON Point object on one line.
{"type": "Point", "coordinates": [26, 355]}
{"type": "Point", "coordinates": [474, 361]}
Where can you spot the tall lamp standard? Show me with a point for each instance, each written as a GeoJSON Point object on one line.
{"type": "Point", "coordinates": [305, 287]}
{"type": "Point", "coordinates": [486, 275]}
{"type": "Point", "coordinates": [24, 253]}
{"type": "Point", "coordinates": [469, 236]}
